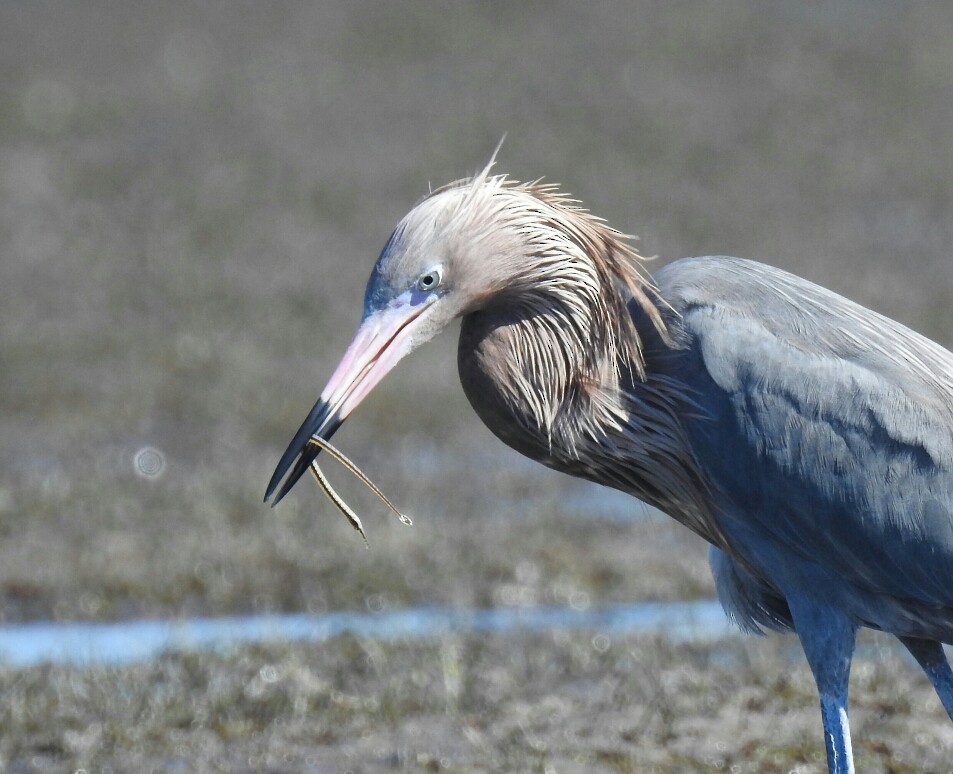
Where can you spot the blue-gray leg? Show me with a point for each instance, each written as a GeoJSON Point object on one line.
{"type": "Point", "coordinates": [827, 637]}
{"type": "Point", "coordinates": [930, 656]}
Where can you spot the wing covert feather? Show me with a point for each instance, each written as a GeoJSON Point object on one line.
{"type": "Point", "coordinates": [833, 425]}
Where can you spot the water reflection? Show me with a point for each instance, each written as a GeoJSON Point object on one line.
{"type": "Point", "coordinates": [132, 641]}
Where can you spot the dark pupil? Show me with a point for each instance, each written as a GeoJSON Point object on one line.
{"type": "Point", "coordinates": [427, 281]}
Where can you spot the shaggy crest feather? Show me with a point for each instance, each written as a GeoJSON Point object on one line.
{"type": "Point", "coordinates": [567, 254]}
{"type": "Point", "coordinates": [568, 283]}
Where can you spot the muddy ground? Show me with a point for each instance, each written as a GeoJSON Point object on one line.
{"type": "Point", "coordinates": [580, 702]}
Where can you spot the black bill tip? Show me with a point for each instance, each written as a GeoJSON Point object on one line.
{"type": "Point", "coordinates": [300, 454]}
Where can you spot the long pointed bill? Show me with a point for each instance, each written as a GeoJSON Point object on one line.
{"type": "Point", "coordinates": [382, 339]}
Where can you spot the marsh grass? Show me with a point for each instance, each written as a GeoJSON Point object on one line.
{"type": "Point", "coordinates": [576, 702]}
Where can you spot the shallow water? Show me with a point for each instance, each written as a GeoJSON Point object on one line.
{"type": "Point", "coordinates": [132, 641]}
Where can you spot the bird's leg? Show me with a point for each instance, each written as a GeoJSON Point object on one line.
{"type": "Point", "coordinates": [931, 658]}
{"type": "Point", "coordinates": [827, 637]}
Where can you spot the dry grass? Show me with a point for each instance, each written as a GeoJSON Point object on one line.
{"type": "Point", "coordinates": [580, 702]}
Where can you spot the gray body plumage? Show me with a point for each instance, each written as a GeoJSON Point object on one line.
{"type": "Point", "coordinates": [818, 430]}
{"type": "Point", "coordinates": [831, 457]}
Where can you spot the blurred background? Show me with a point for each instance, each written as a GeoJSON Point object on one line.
{"type": "Point", "coordinates": [192, 195]}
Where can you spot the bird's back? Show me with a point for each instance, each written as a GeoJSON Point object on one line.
{"type": "Point", "coordinates": [825, 435]}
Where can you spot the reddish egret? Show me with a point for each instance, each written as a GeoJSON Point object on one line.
{"type": "Point", "coordinates": [809, 440]}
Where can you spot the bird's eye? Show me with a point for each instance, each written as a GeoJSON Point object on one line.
{"type": "Point", "coordinates": [429, 280]}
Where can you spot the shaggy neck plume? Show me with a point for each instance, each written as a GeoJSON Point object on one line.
{"type": "Point", "coordinates": [554, 362]}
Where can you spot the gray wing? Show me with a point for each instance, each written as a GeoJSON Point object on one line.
{"type": "Point", "coordinates": [830, 428]}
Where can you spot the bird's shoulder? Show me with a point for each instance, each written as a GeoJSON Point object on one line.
{"type": "Point", "coordinates": [759, 327]}
{"type": "Point", "coordinates": [829, 427]}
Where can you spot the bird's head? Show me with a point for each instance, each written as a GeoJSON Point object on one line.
{"type": "Point", "coordinates": [465, 246]}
